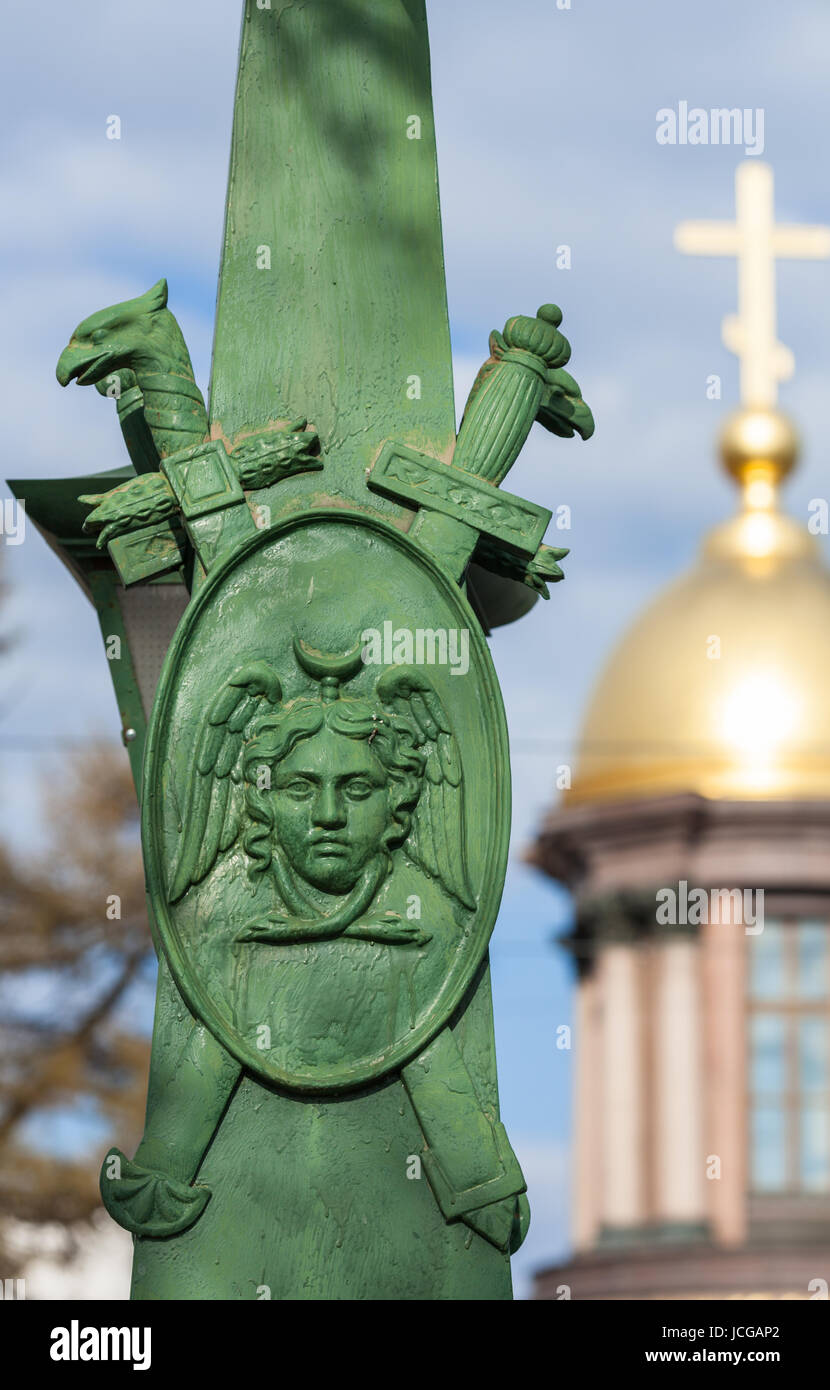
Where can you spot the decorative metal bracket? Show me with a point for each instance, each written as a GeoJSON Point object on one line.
{"type": "Point", "coordinates": [421, 481]}
{"type": "Point", "coordinates": [201, 487]}
{"type": "Point", "coordinates": [463, 513]}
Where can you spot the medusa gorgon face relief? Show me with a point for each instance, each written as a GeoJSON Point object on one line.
{"type": "Point", "coordinates": [321, 792]}
{"type": "Point", "coordinates": [344, 779]}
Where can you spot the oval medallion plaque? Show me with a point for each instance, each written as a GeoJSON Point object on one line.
{"type": "Point", "coordinates": [326, 798]}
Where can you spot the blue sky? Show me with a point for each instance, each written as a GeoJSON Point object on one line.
{"type": "Point", "coordinates": [546, 122]}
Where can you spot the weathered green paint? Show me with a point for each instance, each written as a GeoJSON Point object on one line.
{"type": "Point", "coordinates": [458, 769]}
{"type": "Point", "coordinates": [325, 803]}
{"type": "Point", "coordinates": [462, 514]}
{"type": "Point", "coordinates": [522, 380]}
{"type": "Point", "coordinates": [327, 185]}
{"type": "Point", "coordinates": [142, 336]}
{"type": "Point", "coordinates": [441, 487]}
{"type": "Point", "coordinates": [135, 352]}
{"type": "Point", "coordinates": [143, 554]}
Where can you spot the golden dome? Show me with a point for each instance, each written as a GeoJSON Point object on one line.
{"type": "Point", "coordinates": [723, 685]}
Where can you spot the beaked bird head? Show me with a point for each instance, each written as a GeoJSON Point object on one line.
{"type": "Point", "coordinates": [140, 333]}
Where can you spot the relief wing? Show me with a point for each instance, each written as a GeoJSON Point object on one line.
{"type": "Point", "coordinates": [213, 814]}
{"type": "Point", "coordinates": [437, 842]}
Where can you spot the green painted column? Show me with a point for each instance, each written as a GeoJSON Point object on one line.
{"type": "Point", "coordinates": [325, 783]}
{"type": "Point", "coordinates": [332, 289]}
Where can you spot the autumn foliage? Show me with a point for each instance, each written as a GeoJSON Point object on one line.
{"type": "Point", "coordinates": [77, 967]}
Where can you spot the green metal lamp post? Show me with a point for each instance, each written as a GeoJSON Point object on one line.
{"type": "Point", "coordinates": [322, 760]}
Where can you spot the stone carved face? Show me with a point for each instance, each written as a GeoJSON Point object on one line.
{"type": "Point", "coordinates": [330, 805]}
